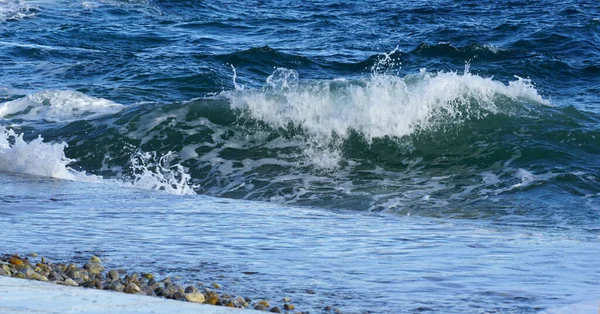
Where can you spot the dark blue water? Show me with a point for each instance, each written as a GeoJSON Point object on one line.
{"type": "Point", "coordinates": [450, 110]}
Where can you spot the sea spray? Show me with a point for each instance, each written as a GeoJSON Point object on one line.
{"type": "Point", "coordinates": [48, 159]}
{"type": "Point", "coordinates": [36, 157]}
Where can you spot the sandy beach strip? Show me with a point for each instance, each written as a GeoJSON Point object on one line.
{"type": "Point", "coordinates": [29, 296]}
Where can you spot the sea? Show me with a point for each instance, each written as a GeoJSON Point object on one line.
{"type": "Point", "coordinates": [433, 156]}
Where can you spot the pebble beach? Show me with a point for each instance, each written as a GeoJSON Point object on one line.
{"type": "Point", "coordinates": [93, 275]}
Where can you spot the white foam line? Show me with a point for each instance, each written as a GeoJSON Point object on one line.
{"type": "Point", "coordinates": [26, 296]}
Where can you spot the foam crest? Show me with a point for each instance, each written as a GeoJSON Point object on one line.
{"type": "Point", "coordinates": [381, 105]}
{"type": "Point", "coordinates": [58, 106]}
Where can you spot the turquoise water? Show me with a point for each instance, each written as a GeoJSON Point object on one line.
{"type": "Point", "coordinates": [389, 156]}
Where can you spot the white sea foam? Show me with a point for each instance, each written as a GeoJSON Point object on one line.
{"type": "Point", "coordinates": [382, 105]}
{"type": "Point", "coordinates": [36, 157]}
{"type": "Point", "coordinates": [48, 159]}
{"type": "Point", "coordinates": [58, 106]}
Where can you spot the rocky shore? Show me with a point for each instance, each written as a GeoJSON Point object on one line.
{"type": "Point", "coordinates": [93, 275]}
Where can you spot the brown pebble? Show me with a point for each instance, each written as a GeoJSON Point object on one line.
{"type": "Point", "coordinates": [265, 303]}
{"type": "Point", "coordinates": [213, 299]}
{"type": "Point", "coordinates": [216, 285]}
{"type": "Point", "coordinates": [288, 307]}
{"type": "Point", "coordinates": [275, 310]}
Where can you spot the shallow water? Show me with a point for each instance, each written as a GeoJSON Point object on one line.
{"type": "Point", "coordinates": [417, 156]}
{"type": "Point", "coordinates": [354, 262]}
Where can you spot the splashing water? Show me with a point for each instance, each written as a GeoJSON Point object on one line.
{"type": "Point", "coordinates": [48, 159]}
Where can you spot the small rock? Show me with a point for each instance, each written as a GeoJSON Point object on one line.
{"type": "Point", "coordinates": [132, 288]}
{"type": "Point", "coordinates": [6, 269]}
{"type": "Point", "coordinates": [71, 267]}
{"type": "Point", "coordinates": [212, 300]}
{"type": "Point", "coordinates": [95, 259]}
{"type": "Point", "coordinates": [36, 276]}
{"type": "Point", "coordinates": [275, 310]}
{"type": "Point", "coordinates": [19, 275]}
{"type": "Point", "coordinates": [93, 267]}
{"type": "Point", "coordinates": [114, 275]}
{"type": "Point", "coordinates": [265, 303]}
{"type": "Point", "coordinates": [32, 254]}
{"type": "Point", "coordinates": [216, 285]}
{"type": "Point", "coordinates": [17, 262]}
{"type": "Point", "coordinates": [190, 289]}
{"type": "Point", "coordinates": [310, 291]}
{"type": "Point", "coordinates": [70, 282]}
{"type": "Point", "coordinates": [286, 300]}
{"type": "Point", "coordinates": [152, 283]}
{"type": "Point", "coordinates": [195, 297]}
{"type": "Point", "coordinates": [54, 276]}
{"type": "Point", "coordinates": [178, 295]}
{"type": "Point", "coordinates": [260, 307]}
{"type": "Point", "coordinates": [147, 276]}
{"type": "Point", "coordinates": [75, 274]}
{"type": "Point", "coordinates": [3, 272]}
{"type": "Point", "coordinates": [165, 280]}
{"type": "Point", "coordinates": [288, 307]}
{"type": "Point", "coordinates": [328, 308]}
{"type": "Point", "coordinates": [116, 286]}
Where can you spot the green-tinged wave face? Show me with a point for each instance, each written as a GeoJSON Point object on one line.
{"type": "Point", "coordinates": [440, 144]}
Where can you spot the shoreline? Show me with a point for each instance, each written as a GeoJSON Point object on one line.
{"type": "Point", "coordinates": [95, 277]}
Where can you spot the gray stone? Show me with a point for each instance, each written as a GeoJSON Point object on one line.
{"type": "Point", "coordinates": [260, 307]}
{"type": "Point", "coordinates": [116, 286]}
{"type": "Point", "coordinates": [114, 275]}
{"type": "Point", "coordinates": [191, 289]}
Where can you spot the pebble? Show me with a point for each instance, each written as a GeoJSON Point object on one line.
{"type": "Point", "coordinates": [195, 297]}
{"type": "Point", "coordinates": [95, 259]}
{"type": "Point", "coordinates": [113, 275]}
{"type": "Point", "coordinates": [275, 310]}
{"type": "Point", "coordinates": [212, 300]}
{"type": "Point", "coordinates": [260, 307]}
{"type": "Point", "coordinates": [71, 282]}
{"type": "Point", "coordinates": [265, 303]}
{"type": "Point", "coordinates": [216, 285]}
{"type": "Point", "coordinates": [132, 288]}
{"type": "Point", "coordinates": [191, 289]}
{"type": "Point", "coordinates": [288, 307]}
{"type": "Point", "coordinates": [93, 267]}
